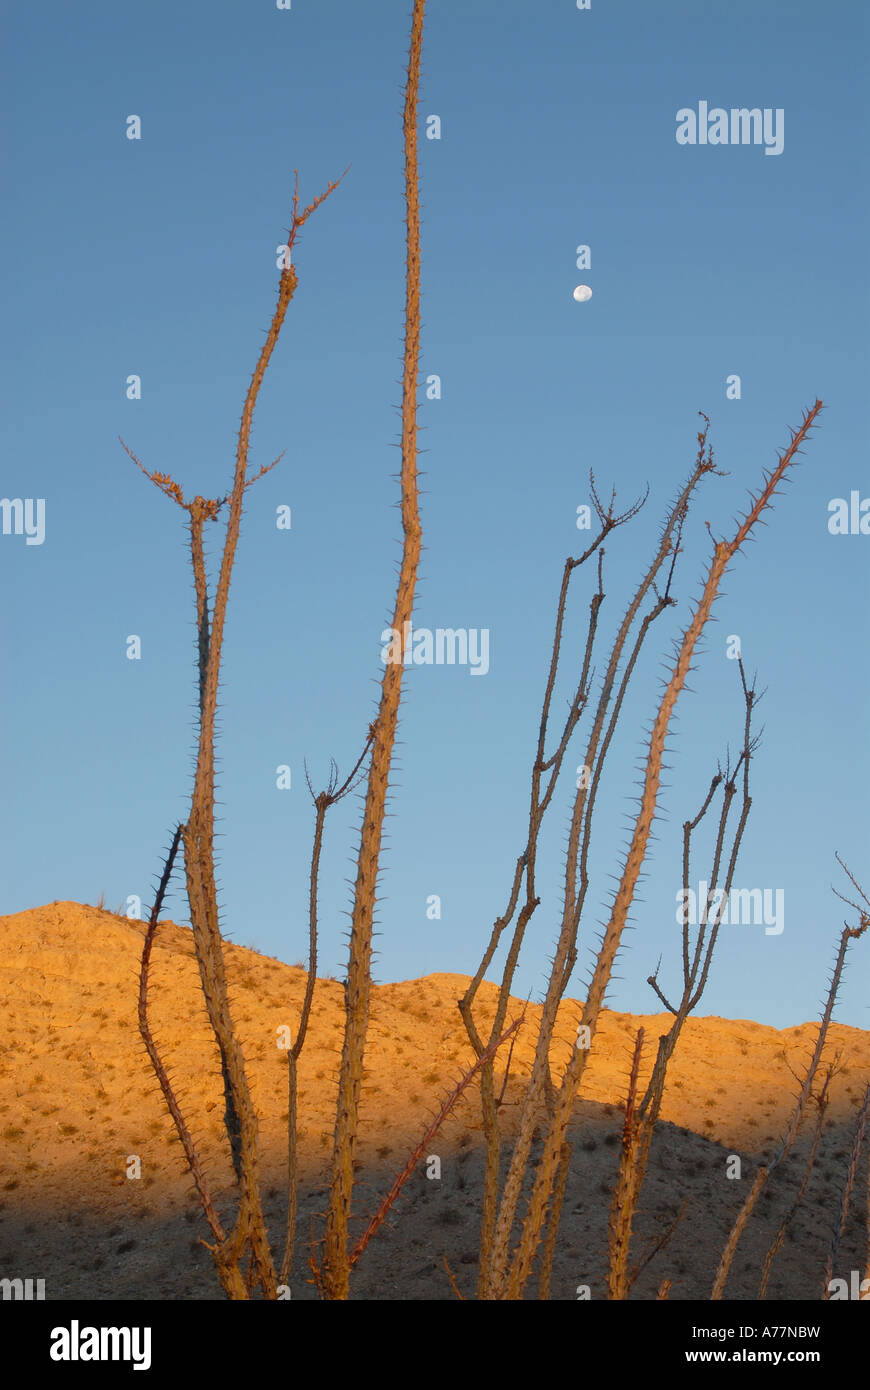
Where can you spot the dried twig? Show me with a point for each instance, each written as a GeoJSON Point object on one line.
{"type": "Point", "coordinates": [160, 1072]}
{"type": "Point", "coordinates": [420, 1148]}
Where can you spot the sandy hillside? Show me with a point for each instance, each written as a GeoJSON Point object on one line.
{"type": "Point", "coordinates": [77, 1097]}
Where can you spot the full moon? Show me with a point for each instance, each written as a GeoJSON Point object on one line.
{"type": "Point", "coordinates": [582, 293]}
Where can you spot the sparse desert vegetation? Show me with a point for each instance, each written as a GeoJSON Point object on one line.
{"type": "Point", "coordinates": [223, 1125]}
{"type": "Point", "coordinates": [50, 1182]}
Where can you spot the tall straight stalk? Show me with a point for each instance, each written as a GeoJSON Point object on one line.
{"type": "Point", "coordinates": [335, 1273]}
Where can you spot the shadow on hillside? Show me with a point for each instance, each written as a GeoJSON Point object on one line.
{"type": "Point", "coordinates": [90, 1250]}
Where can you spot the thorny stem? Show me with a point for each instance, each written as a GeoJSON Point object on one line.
{"type": "Point", "coordinates": [335, 1273]}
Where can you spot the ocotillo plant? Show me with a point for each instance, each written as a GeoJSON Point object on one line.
{"type": "Point", "coordinates": [509, 1240]}
{"type": "Point", "coordinates": [638, 1134]}
{"type": "Point", "coordinates": [804, 1095]}
{"type": "Point", "coordinates": [505, 1267]}
{"type": "Point", "coordinates": [821, 1102]}
{"type": "Point", "coordinates": [249, 1232]}
{"type": "Point", "coordinates": [336, 1266]}
{"type": "Point", "coordinates": [696, 960]}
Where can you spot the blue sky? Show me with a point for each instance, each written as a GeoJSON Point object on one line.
{"type": "Point", "coordinates": [156, 257]}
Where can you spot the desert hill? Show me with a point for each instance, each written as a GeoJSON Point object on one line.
{"type": "Point", "coordinates": [77, 1098]}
